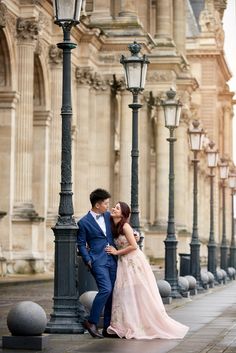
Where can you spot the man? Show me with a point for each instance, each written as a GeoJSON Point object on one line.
{"type": "Point", "coordinates": [94, 234]}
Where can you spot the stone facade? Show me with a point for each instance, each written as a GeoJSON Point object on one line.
{"type": "Point", "coordinates": [184, 42]}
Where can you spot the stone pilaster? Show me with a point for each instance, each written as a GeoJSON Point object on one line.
{"type": "Point", "coordinates": [227, 142]}
{"type": "Point", "coordinates": [81, 183]}
{"type": "Point", "coordinates": [181, 174]}
{"type": "Point", "coordinates": [42, 120]}
{"type": "Point", "coordinates": [125, 146]}
{"type": "Point", "coordinates": [101, 124]}
{"type": "Point", "coordinates": [8, 101]}
{"type": "Point", "coordinates": [162, 171]}
{"type": "Point", "coordinates": [27, 31]}
{"type": "Point", "coordinates": [55, 56]}
{"type": "Point", "coordinates": [144, 159]}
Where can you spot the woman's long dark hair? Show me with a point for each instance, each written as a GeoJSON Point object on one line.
{"type": "Point", "coordinates": [117, 229]}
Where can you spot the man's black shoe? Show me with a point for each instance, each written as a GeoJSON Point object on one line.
{"type": "Point", "coordinates": [109, 335]}
{"type": "Point", "coordinates": [92, 329]}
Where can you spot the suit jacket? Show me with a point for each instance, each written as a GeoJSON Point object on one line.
{"type": "Point", "coordinates": [89, 233]}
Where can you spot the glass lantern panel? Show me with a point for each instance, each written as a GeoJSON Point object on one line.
{"type": "Point", "coordinates": [212, 158]}
{"type": "Point", "coordinates": [133, 72]}
{"type": "Point", "coordinates": [67, 9]}
{"type": "Point", "coordinates": [178, 113]}
{"type": "Point", "coordinates": [232, 181]}
{"type": "Point", "coordinates": [143, 78]}
{"type": "Point", "coordinates": [170, 115]}
{"type": "Point", "coordinates": [224, 171]}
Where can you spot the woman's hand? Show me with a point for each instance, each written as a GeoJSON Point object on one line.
{"type": "Point", "coordinates": [111, 250]}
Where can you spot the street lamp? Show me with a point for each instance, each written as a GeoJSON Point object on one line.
{"type": "Point", "coordinates": [232, 185]}
{"type": "Point", "coordinates": [172, 111]}
{"type": "Point", "coordinates": [212, 159]}
{"type": "Point", "coordinates": [135, 69]}
{"type": "Point", "coordinates": [66, 316]}
{"type": "Point", "coordinates": [224, 171]}
{"type": "Point", "coordinates": [196, 136]}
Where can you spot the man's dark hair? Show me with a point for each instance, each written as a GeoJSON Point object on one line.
{"type": "Point", "coordinates": [98, 195]}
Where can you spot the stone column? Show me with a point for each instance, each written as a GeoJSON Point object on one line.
{"type": "Point", "coordinates": [81, 198]}
{"type": "Point", "coordinates": [101, 10]}
{"type": "Point", "coordinates": [164, 30]}
{"type": "Point", "coordinates": [179, 19]}
{"type": "Point", "coordinates": [128, 8]}
{"type": "Point", "coordinates": [8, 101]}
{"type": "Point", "coordinates": [55, 56]}
{"type": "Point", "coordinates": [27, 31]}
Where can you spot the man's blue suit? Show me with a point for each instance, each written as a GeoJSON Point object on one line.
{"type": "Point", "coordinates": [91, 244]}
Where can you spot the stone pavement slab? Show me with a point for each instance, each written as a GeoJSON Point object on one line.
{"type": "Point", "coordinates": [211, 317]}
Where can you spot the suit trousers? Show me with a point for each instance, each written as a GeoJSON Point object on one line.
{"type": "Point", "coordinates": [105, 277]}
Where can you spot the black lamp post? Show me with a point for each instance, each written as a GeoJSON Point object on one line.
{"type": "Point", "coordinates": [224, 171]}
{"type": "Point", "coordinates": [66, 317]}
{"type": "Point", "coordinates": [135, 68]}
{"type": "Point", "coordinates": [172, 111]}
{"type": "Point", "coordinates": [196, 136]}
{"type": "Point", "coordinates": [212, 159]}
{"type": "Point", "coordinates": [232, 185]}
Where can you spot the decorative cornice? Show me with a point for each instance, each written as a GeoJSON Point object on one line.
{"type": "Point", "coordinates": [55, 54]}
{"type": "Point", "coordinates": [27, 29]}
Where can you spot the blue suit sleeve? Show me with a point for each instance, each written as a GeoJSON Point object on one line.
{"type": "Point", "coordinates": [81, 243]}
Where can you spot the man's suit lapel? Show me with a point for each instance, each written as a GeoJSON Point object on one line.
{"type": "Point", "coordinates": [94, 223]}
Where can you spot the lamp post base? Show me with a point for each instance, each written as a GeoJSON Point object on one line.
{"type": "Point", "coordinates": [67, 315]}
{"type": "Point", "coordinates": [64, 325]}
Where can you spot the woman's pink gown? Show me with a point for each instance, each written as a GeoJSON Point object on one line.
{"type": "Point", "coordinates": [137, 308]}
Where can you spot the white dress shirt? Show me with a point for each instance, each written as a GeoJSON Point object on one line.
{"type": "Point", "coordinates": [100, 220]}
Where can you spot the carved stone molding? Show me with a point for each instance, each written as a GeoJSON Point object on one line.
{"type": "Point", "coordinates": [118, 84]}
{"type": "Point", "coordinates": [84, 75]}
{"type": "Point", "coordinates": [27, 29]}
{"type": "Point", "coordinates": [3, 14]}
{"type": "Point", "coordinates": [161, 76]}
{"type": "Point", "coordinates": [55, 54]}
{"type": "Point", "coordinates": [210, 21]}
{"type": "Point", "coordinates": [99, 83]}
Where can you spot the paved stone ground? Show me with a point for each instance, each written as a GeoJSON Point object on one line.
{"type": "Point", "coordinates": [211, 317]}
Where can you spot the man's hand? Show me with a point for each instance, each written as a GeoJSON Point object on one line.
{"type": "Point", "coordinates": [89, 265]}
{"type": "Point", "coordinates": [137, 236]}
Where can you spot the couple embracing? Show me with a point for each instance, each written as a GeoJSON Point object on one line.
{"type": "Point", "coordinates": [127, 289]}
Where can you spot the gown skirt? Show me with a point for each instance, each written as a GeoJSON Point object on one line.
{"type": "Point", "coordinates": [137, 308]}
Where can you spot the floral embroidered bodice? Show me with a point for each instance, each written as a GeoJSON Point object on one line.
{"type": "Point", "coordinates": [121, 242]}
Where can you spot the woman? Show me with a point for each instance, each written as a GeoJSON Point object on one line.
{"type": "Point", "coordinates": [137, 308]}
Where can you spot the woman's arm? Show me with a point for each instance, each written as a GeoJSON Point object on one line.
{"type": "Point", "coordinates": [129, 234]}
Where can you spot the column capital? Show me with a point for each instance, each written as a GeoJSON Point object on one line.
{"type": "Point", "coordinates": [84, 75]}
{"type": "Point", "coordinates": [3, 14]}
{"type": "Point", "coordinates": [8, 99]}
{"type": "Point", "coordinates": [27, 29]}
